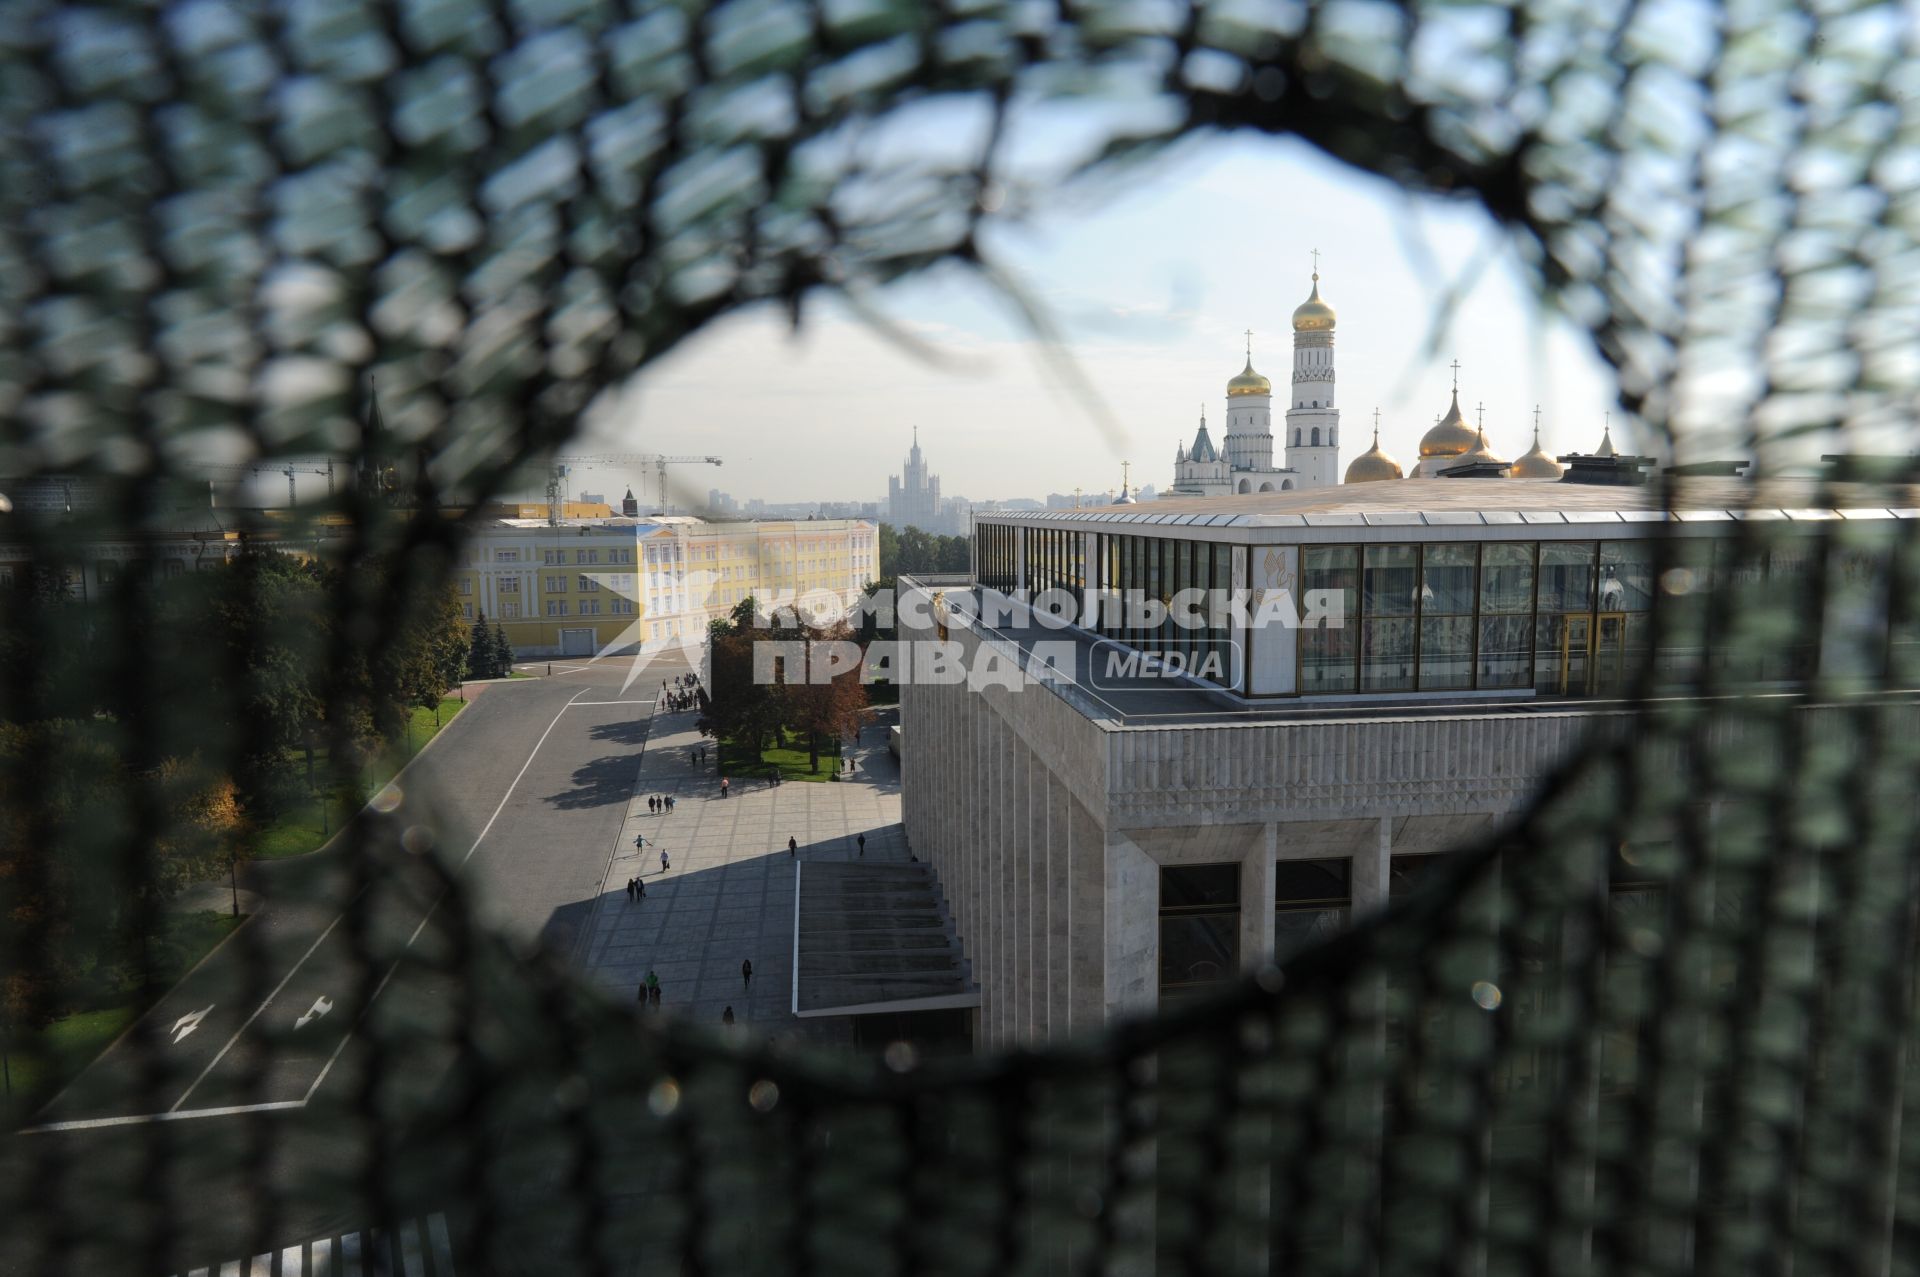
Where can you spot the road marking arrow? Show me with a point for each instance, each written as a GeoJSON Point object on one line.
{"type": "Point", "coordinates": [319, 1008]}
{"type": "Point", "coordinates": [187, 1024]}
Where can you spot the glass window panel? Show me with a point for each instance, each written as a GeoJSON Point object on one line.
{"type": "Point", "coordinates": [1626, 576]}
{"type": "Point", "coordinates": [1506, 577]}
{"type": "Point", "coordinates": [1681, 658]}
{"type": "Point", "coordinates": [1446, 579]}
{"type": "Point", "coordinates": [1505, 658]}
{"type": "Point", "coordinates": [1391, 584]}
{"type": "Point", "coordinates": [1327, 650]}
{"type": "Point", "coordinates": [1199, 949]}
{"type": "Point", "coordinates": [1408, 873]}
{"type": "Point", "coordinates": [1856, 613]}
{"type": "Point", "coordinates": [1566, 577]}
{"type": "Point", "coordinates": [1446, 653]}
{"type": "Point", "coordinates": [1791, 571]}
{"type": "Point", "coordinates": [1302, 883]}
{"type": "Point", "coordinates": [1200, 887]}
{"type": "Point", "coordinates": [1297, 929]}
{"type": "Point", "coordinates": [1386, 654]}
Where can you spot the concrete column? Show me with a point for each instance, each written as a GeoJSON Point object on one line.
{"type": "Point", "coordinates": [1059, 920]}
{"type": "Point", "coordinates": [1132, 940]}
{"type": "Point", "coordinates": [1371, 872]}
{"type": "Point", "coordinates": [1256, 901]}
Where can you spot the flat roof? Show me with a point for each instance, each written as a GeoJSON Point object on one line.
{"type": "Point", "coordinates": [1502, 502]}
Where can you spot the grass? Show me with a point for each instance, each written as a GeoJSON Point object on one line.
{"type": "Point", "coordinates": [740, 762]}
{"type": "Point", "coordinates": [306, 825]}
{"type": "Point", "coordinates": [40, 1063]}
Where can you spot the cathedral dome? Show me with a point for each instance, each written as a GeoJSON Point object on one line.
{"type": "Point", "coordinates": [1481, 450]}
{"type": "Point", "coordinates": [1373, 465]}
{"type": "Point", "coordinates": [1606, 443]}
{"type": "Point", "coordinates": [1313, 315]}
{"type": "Point", "coordinates": [1248, 382]}
{"type": "Point", "coordinates": [1449, 438]}
{"type": "Point", "coordinates": [1536, 464]}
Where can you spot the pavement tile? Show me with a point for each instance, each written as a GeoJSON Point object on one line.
{"type": "Point", "coordinates": [729, 892]}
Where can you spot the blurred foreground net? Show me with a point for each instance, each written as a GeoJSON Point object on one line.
{"type": "Point", "coordinates": [1662, 1024]}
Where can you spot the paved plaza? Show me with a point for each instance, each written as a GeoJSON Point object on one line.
{"type": "Point", "coordinates": [729, 893]}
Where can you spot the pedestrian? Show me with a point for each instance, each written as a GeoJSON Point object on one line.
{"type": "Point", "coordinates": [640, 887]}
{"type": "Point", "coordinates": [793, 845]}
{"type": "Point", "coordinates": [863, 844]}
{"type": "Point", "coordinates": [640, 841]}
{"type": "Point", "coordinates": [849, 767]}
{"type": "Point", "coordinates": [746, 973]}
{"type": "Point", "coordinates": [649, 984]}
{"type": "Point", "coordinates": [726, 1017]}
{"type": "Point", "coordinates": [650, 804]}
{"type": "Point", "coordinates": [629, 891]}
{"type": "Point", "coordinates": [723, 786]}
{"type": "Point", "coordinates": [664, 863]}
{"type": "Point", "coordinates": [655, 996]}
{"type": "Point", "coordinates": [669, 803]}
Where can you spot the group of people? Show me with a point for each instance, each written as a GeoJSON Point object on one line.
{"type": "Point", "coordinates": [660, 804]}
{"type": "Point", "coordinates": [649, 994]}
{"type": "Point", "coordinates": [680, 694]}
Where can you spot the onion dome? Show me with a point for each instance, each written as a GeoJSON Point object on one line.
{"type": "Point", "coordinates": [1536, 464]}
{"type": "Point", "coordinates": [1606, 443]}
{"type": "Point", "coordinates": [1450, 436]}
{"type": "Point", "coordinates": [1313, 315]}
{"type": "Point", "coordinates": [1373, 465]}
{"type": "Point", "coordinates": [1481, 450]}
{"type": "Point", "coordinates": [1248, 382]}
{"type": "Point", "coordinates": [1123, 498]}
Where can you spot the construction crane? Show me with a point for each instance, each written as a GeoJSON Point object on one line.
{"type": "Point", "coordinates": [562, 468]}
{"type": "Point", "coordinates": [290, 470]}
{"type": "Point", "coordinates": [253, 469]}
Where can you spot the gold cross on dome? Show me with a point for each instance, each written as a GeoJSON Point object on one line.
{"type": "Point", "coordinates": [1249, 345]}
{"type": "Point", "coordinates": [1456, 376]}
{"type": "Point", "coordinates": [1316, 263]}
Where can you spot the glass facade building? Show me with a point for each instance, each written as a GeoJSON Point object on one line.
{"type": "Point", "coordinates": [1550, 618]}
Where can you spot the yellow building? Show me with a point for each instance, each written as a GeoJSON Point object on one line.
{"type": "Point", "coordinates": [592, 585]}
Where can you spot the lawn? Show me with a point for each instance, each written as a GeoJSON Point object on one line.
{"type": "Point", "coordinates": [40, 1063]}
{"type": "Point", "coordinates": [304, 826]}
{"type": "Point", "coordinates": [739, 762]}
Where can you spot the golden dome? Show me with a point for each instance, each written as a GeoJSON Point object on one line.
{"type": "Point", "coordinates": [1450, 438]}
{"type": "Point", "coordinates": [1536, 464]}
{"type": "Point", "coordinates": [1313, 315]}
{"type": "Point", "coordinates": [1248, 382]}
{"type": "Point", "coordinates": [1373, 465]}
{"type": "Point", "coordinates": [1481, 450]}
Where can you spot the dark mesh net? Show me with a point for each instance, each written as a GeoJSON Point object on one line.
{"type": "Point", "coordinates": [1662, 1023]}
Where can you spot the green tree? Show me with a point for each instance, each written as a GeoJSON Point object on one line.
{"type": "Point", "coordinates": [482, 658]}
{"type": "Point", "coordinates": [831, 708]}
{"type": "Point", "coordinates": [502, 652]}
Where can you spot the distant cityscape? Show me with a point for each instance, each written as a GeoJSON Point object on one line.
{"type": "Point", "coordinates": [914, 500]}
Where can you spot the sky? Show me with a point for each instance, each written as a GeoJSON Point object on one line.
{"type": "Point", "coordinates": [1151, 286]}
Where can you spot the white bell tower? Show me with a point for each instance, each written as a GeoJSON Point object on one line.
{"type": "Point", "coordinates": [1313, 422]}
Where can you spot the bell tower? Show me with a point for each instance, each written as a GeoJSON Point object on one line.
{"type": "Point", "coordinates": [1313, 422]}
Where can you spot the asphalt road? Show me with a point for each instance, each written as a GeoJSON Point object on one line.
{"type": "Point", "coordinates": [228, 1096]}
